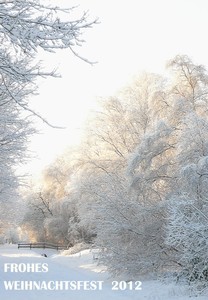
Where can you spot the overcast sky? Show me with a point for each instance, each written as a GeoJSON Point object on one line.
{"type": "Point", "coordinates": [133, 35]}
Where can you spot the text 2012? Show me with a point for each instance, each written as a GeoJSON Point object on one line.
{"type": "Point", "coordinates": [126, 285]}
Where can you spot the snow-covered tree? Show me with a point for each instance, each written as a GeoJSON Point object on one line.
{"type": "Point", "coordinates": [187, 205]}
{"type": "Point", "coordinates": [54, 205]}
{"type": "Point", "coordinates": [128, 220]}
{"type": "Point", "coordinates": [188, 208]}
{"type": "Point", "coordinates": [27, 28]}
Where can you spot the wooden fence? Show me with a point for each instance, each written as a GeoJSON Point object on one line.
{"type": "Point", "coordinates": [42, 246]}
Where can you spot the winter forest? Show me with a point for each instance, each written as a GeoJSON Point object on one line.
{"type": "Point", "coordinates": [136, 186]}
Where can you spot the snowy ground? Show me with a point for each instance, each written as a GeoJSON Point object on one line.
{"type": "Point", "coordinates": [77, 268]}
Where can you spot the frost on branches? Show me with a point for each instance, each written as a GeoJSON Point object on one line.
{"type": "Point", "coordinates": [187, 229]}
{"type": "Point", "coordinates": [141, 197]}
{"type": "Point", "coordinates": [25, 28]}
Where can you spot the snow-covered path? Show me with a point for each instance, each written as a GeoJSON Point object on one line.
{"type": "Point", "coordinates": [76, 268]}
{"type": "Point", "coordinates": [60, 268]}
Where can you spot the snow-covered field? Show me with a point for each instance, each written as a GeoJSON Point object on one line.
{"type": "Point", "coordinates": [79, 269]}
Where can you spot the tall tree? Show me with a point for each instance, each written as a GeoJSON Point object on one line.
{"type": "Point", "coordinates": [128, 220]}
{"type": "Point", "coordinates": [27, 27]}
{"type": "Point", "coordinates": [187, 206]}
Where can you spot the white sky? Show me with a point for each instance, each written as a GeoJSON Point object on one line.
{"type": "Point", "coordinates": [133, 35]}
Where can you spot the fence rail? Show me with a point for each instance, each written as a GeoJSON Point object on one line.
{"type": "Point", "coordinates": [42, 246]}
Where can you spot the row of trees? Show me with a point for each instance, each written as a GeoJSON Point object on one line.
{"type": "Point", "coordinates": [137, 186]}
{"type": "Point", "coordinates": [26, 28]}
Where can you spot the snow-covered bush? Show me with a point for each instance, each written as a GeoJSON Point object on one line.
{"type": "Point", "coordinates": [187, 233]}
